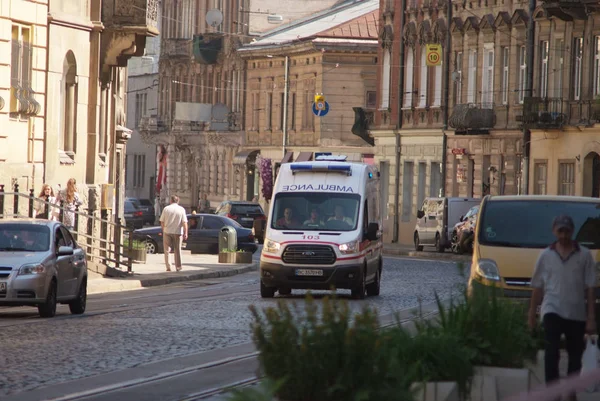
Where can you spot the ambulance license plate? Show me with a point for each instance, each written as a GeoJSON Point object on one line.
{"type": "Point", "coordinates": [309, 272]}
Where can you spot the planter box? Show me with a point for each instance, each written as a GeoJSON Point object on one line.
{"type": "Point", "coordinates": [235, 257]}
{"type": "Point", "coordinates": [493, 383]}
{"type": "Point", "coordinates": [436, 391]}
{"type": "Point", "coordinates": [138, 255]}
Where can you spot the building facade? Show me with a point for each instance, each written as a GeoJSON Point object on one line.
{"type": "Point", "coordinates": [333, 55]}
{"type": "Point", "coordinates": [142, 101]}
{"type": "Point", "coordinates": [23, 33]}
{"type": "Point", "coordinates": [563, 112]}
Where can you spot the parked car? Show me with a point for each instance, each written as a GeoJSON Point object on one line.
{"type": "Point", "coordinates": [134, 216]}
{"type": "Point", "coordinates": [248, 214]}
{"type": "Point", "coordinates": [147, 208]}
{"type": "Point", "coordinates": [203, 235]}
{"type": "Point", "coordinates": [41, 265]}
{"type": "Point", "coordinates": [463, 232]}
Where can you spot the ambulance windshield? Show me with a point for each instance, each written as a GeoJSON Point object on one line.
{"type": "Point", "coordinates": [323, 211]}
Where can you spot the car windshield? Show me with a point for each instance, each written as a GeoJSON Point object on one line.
{"type": "Point", "coordinates": [528, 224]}
{"type": "Point", "coordinates": [130, 206]}
{"type": "Point", "coordinates": [323, 211]}
{"type": "Point", "coordinates": [145, 202]}
{"type": "Point", "coordinates": [472, 211]}
{"type": "Point", "coordinates": [244, 208]}
{"type": "Point", "coordinates": [24, 238]}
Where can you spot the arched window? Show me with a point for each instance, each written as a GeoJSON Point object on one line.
{"type": "Point", "coordinates": [68, 141]}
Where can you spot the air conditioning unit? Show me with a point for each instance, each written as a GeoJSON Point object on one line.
{"type": "Point", "coordinates": [107, 196]}
{"type": "Point", "coordinates": [274, 19]}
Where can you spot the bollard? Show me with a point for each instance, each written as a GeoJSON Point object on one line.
{"type": "Point", "coordinates": [1, 201]}
{"type": "Point", "coordinates": [117, 240]}
{"type": "Point", "coordinates": [16, 201]}
{"type": "Point", "coordinates": [31, 198]}
{"type": "Point", "coordinates": [130, 252]}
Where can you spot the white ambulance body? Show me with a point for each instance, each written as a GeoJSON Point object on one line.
{"type": "Point", "coordinates": [323, 229]}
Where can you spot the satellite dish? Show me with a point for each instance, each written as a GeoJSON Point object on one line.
{"type": "Point", "coordinates": [214, 18]}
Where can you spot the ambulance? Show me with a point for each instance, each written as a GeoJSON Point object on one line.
{"type": "Point", "coordinates": [324, 229]}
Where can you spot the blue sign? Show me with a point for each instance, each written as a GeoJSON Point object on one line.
{"type": "Point", "coordinates": [320, 110]}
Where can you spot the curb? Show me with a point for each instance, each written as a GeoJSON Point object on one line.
{"type": "Point", "coordinates": [105, 285]}
{"type": "Point", "coordinates": [427, 255]}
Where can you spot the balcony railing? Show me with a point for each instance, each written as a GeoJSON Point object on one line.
{"type": "Point", "coordinates": [177, 48]}
{"type": "Point", "coordinates": [132, 13]}
{"type": "Point", "coordinates": [543, 112]}
{"type": "Point", "coordinates": [569, 10]}
{"type": "Point", "coordinates": [473, 117]}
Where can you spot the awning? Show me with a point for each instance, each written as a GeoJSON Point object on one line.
{"type": "Point", "coordinates": [304, 157]}
{"type": "Point", "coordinates": [243, 156]}
{"type": "Point", "coordinates": [289, 156]}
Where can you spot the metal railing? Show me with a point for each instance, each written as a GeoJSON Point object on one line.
{"type": "Point", "coordinates": [101, 238]}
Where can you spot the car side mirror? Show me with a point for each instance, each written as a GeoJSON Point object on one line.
{"type": "Point", "coordinates": [65, 251]}
{"type": "Point", "coordinates": [420, 214]}
{"type": "Point", "coordinates": [372, 233]}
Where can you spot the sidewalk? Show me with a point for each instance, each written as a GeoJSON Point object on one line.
{"type": "Point", "coordinates": [427, 253]}
{"type": "Point", "coordinates": [153, 273]}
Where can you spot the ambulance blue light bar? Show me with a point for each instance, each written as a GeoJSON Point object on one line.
{"type": "Point", "coordinates": [338, 168]}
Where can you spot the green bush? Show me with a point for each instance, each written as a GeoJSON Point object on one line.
{"type": "Point", "coordinates": [328, 356]}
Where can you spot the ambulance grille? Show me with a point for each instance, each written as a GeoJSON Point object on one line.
{"type": "Point", "coordinates": [309, 255]}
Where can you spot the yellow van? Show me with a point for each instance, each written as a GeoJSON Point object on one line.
{"type": "Point", "coordinates": [511, 232]}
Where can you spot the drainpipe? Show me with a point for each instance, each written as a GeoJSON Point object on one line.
{"type": "Point", "coordinates": [396, 230]}
{"type": "Point", "coordinates": [528, 92]}
{"type": "Point", "coordinates": [448, 48]}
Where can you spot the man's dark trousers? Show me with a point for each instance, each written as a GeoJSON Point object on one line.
{"type": "Point", "coordinates": [574, 331]}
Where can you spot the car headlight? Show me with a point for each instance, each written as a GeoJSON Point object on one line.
{"type": "Point", "coordinates": [31, 269]}
{"type": "Point", "coordinates": [349, 247]}
{"type": "Point", "coordinates": [271, 246]}
{"type": "Point", "coordinates": [488, 269]}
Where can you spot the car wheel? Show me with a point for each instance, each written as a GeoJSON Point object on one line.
{"type": "Point", "coordinates": [48, 308]}
{"type": "Point", "coordinates": [77, 307]}
{"type": "Point", "coordinates": [266, 292]}
{"type": "Point", "coordinates": [438, 244]}
{"type": "Point", "coordinates": [151, 247]}
{"type": "Point", "coordinates": [285, 291]}
{"type": "Point", "coordinates": [359, 292]}
{"type": "Point", "coordinates": [374, 288]}
{"type": "Point", "coordinates": [418, 246]}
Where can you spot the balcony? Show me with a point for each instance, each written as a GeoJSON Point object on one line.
{"type": "Point", "coordinates": [569, 10]}
{"type": "Point", "coordinates": [177, 48]}
{"type": "Point", "coordinates": [139, 16]}
{"type": "Point", "coordinates": [207, 47]}
{"type": "Point", "coordinates": [543, 113]}
{"type": "Point", "coordinates": [473, 118]}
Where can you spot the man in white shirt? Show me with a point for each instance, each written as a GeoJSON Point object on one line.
{"type": "Point", "coordinates": [174, 224]}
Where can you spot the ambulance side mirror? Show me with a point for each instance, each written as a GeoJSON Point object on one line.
{"type": "Point", "coordinates": [372, 233]}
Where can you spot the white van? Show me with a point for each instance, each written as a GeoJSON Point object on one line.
{"type": "Point", "coordinates": [323, 229]}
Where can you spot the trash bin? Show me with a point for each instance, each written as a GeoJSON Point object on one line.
{"type": "Point", "coordinates": [227, 239]}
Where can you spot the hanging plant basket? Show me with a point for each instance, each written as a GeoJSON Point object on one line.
{"type": "Point", "coordinates": [266, 176]}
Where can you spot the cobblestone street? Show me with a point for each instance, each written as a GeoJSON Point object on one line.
{"type": "Point", "coordinates": [123, 330]}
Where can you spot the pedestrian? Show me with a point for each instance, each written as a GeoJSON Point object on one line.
{"type": "Point", "coordinates": [174, 224]}
{"type": "Point", "coordinates": [69, 200]}
{"type": "Point", "coordinates": [44, 205]}
{"type": "Point", "coordinates": [204, 204]}
{"type": "Point", "coordinates": [563, 280]}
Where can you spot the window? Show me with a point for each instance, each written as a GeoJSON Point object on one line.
{"type": "Point", "coordinates": [421, 183]}
{"type": "Point", "coordinates": [269, 111]}
{"type": "Point", "coordinates": [505, 78]}
{"type": "Point", "coordinates": [597, 65]}
{"type": "Point", "coordinates": [407, 190]}
{"type": "Point", "coordinates": [544, 69]}
{"type": "Point", "coordinates": [139, 170]}
{"type": "Point", "coordinates": [458, 78]}
{"type": "Point", "coordinates": [20, 71]}
{"type": "Point", "coordinates": [487, 79]}
{"type": "Point", "coordinates": [423, 83]}
{"type": "Point", "coordinates": [308, 114]}
{"type": "Point", "coordinates": [385, 81]}
{"type": "Point", "coordinates": [540, 174]}
{"type": "Point", "coordinates": [69, 105]}
{"type": "Point", "coordinates": [559, 67]}
{"type": "Point", "coordinates": [577, 65]}
{"type": "Point", "coordinates": [371, 99]}
{"type": "Point", "coordinates": [282, 110]}
{"type": "Point", "coordinates": [438, 84]}
{"type": "Point", "coordinates": [211, 223]}
{"type": "Point", "coordinates": [566, 178]}
{"type": "Point", "coordinates": [293, 122]}
{"type": "Point", "coordinates": [471, 84]}
{"type": "Point", "coordinates": [408, 84]}
{"type": "Point", "coordinates": [522, 73]}
{"type": "Point", "coordinates": [435, 186]}
{"type": "Point", "coordinates": [530, 222]}
{"type": "Point", "coordinates": [141, 104]}
{"type": "Point", "coordinates": [256, 111]}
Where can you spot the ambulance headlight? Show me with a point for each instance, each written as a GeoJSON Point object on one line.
{"type": "Point", "coordinates": [349, 247]}
{"type": "Point", "coordinates": [271, 246]}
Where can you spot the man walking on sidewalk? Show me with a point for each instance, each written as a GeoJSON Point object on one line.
{"type": "Point", "coordinates": [174, 223]}
{"type": "Point", "coordinates": [564, 277]}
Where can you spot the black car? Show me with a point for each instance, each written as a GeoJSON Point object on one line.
{"type": "Point", "coordinates": [134, 216]}
{"type": "Point", "coordinates": [147, 208]}
{"type": "Point", "coordinates": [248, 214]}
{"type": "Point", "coordinates": [203, 235]}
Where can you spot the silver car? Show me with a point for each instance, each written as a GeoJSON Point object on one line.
{"type": "Point", "coordinates": [41, 265]}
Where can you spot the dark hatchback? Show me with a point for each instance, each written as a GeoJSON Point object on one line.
{"type": "Point", "coordinates": [147, 208]}
{"type": "Point", "coordinates": [248, 214]}
{"type": "Point", "coordinates": [203, 235]}
{"type": "Point", "coordinates": [133, 214]}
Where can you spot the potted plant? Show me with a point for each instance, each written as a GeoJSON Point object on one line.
{"type": "Point", "coordinates": [235, 256]}
{"type": "Point", "coordinates": [135, 249]}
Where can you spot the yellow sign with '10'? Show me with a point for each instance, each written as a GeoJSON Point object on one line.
{"type": "Point", "coordinates": [433, 55]}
